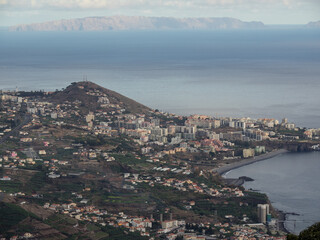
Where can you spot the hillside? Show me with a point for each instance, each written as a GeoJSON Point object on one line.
{"type": "Point", "coordinates": [93, 96]}
{"type": "Point", "coordinates": [137, 23]}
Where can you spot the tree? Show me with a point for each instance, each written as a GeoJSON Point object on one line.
{"type": "Point", "coordinates": [312, 232]}
{"type": "Point", "coordinates": [292, 237]}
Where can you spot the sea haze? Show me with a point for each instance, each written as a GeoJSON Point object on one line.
{"type": "Point", "coordinates": [256, 73]}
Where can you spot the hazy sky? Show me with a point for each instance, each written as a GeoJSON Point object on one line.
{"type": "Point", "coordinates": [268, 11]}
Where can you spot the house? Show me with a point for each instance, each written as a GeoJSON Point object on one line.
{"type": "Point", "coordinates": [42, 152]}
{"type": "Point", "coordinates": [5, 178]}
{"type": "Point", "coordinates": [248, 153]}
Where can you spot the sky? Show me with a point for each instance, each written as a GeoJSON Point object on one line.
{"type": "Point", "coordinates": [268, 11]}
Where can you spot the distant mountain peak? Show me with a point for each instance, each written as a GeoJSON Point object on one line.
{"type": "Point", "coordinates": [137, 23]}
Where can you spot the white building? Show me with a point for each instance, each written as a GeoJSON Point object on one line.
{"type": "Point", "coordinates": [263, 211]}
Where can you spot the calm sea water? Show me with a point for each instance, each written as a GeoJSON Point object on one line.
{"type": "Point", "coordinates": [291, 182]}
{"type": "Point", "coordinates": [256, 73]}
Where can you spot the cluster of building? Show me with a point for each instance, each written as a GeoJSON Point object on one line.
{"type": "Point", "coordinates": [198, 134]}
{"type": "Point", "coordinates": [11, 160]}
{"type": "Point", "coordinates": [189, 185]}
{"type": "Point", "coordinates": [93, 214]}
{"type": "Point", "coordinates": [312, 133]}
{"type": "Point", "coordinates": [254, 232]}
{"type": "Point", "coordinates": [148, 129]}
{"type": "Point", "coordinates": [170, 228]}
{"type": "Point", "coordinates": [158, 135]}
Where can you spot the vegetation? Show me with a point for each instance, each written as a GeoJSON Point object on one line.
{"type": "Point", "coordinates": [11, 215]}
{"type": "Point", "coordinates": [36, 182]}
{"type": "Point", "coordinates": [311, 233]}
{"type": "Point", "coordinates": [131, 160]}
{"type": "Point", "coordinates": [120, 233]}
{"type": "Point", "coordinates": [230, 207]}
{"type": "Point", "coordinates": [290, 132]}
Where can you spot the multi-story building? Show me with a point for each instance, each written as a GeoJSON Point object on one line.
{"type": "Point", "coordinates": [263, 211]}
{"type": "Point", "coordinates": [248, 153]}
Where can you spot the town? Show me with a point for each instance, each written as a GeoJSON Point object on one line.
{"type": "Point", "coordinates": [104, 165]}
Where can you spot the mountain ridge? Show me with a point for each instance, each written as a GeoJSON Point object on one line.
{"type": "Point", "coordinates": [137, 23]}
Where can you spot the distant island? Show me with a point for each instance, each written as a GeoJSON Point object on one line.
{"type": "Point", "coordinates": [138, 23]}
{"type": "Point", "coordinates": [314, 24]}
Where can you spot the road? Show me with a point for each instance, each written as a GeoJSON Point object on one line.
{"type": "Point", "coordinates": [31, 153]}
{"type": "Point", "coordinates": [244, 162]}
{"type": "Point", "coordinates": [27, 118]}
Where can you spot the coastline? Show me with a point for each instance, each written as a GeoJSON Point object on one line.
{"type": "Point", "coordinates": [224, 169]}
{"type": "Point", "coordinates": [281, 216]}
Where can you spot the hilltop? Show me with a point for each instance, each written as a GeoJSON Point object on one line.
{"type": "Point", "coordinates": [93, 97]}
{"type": "Point", "coordinates": [137, 23]}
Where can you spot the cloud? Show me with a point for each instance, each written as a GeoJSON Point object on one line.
{"type": "Point", "coordinates": [69, 4]}
{"type": "Point", "coordinates": [98, 4]}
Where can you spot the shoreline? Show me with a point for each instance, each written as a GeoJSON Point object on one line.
{"type": "Point", "coordinates": [281, 215]}
{"type": "Point", "coordinates": [224, 169]}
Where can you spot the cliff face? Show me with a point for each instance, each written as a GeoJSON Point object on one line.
{"type": "Point", "coordinates": [137, 23]}
{"type": "Point", "coordinates": [314, 24]}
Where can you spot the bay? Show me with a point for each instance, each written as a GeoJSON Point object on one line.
{"type": "Point", "coordinates": [291, 181]}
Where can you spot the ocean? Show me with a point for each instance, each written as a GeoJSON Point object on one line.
{"type": "Point", "coordinates": [291, 181]}
{"type": "Point", "coordinates": [271, 73]}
